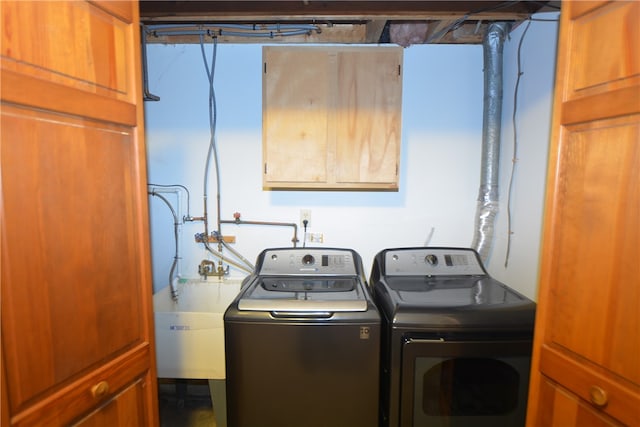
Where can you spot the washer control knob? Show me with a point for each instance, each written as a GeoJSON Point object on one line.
{"type": "Point", "coordinates": [431, 259]}
{"type": "Point", "coordinates": [308, 259]}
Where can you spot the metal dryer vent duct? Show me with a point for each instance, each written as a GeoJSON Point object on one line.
{"type": "Point", "coordinates": [487, 207]}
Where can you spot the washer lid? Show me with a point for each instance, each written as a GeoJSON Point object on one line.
{"type": "Point", "coordinates": [304, 294]}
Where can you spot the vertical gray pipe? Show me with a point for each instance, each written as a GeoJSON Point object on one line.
{"type": "Point", "coordinates": [488, 196]}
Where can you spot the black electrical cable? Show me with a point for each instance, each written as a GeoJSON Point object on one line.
{"type": "Point", "coordinates": [304, 238]}
{"type": "Point", "coordinates": [515, 145]}
{"type": "Point", "coordinates": [515, 136]}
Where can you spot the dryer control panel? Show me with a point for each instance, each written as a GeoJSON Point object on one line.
{"type": "Point", "coordinates": [308, 261]}
{"type": "Point", "coordinates": [432, 262]}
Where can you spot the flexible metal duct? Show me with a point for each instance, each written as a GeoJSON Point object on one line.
{"type": "Point", "coordinates": [488, 196]}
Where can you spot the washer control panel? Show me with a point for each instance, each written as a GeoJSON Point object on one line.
{"type": "Point", "coordinates": [432, 262]}
{"type": "Point", "coordinates": [313, 261]}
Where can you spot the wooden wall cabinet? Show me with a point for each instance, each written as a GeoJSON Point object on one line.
{"type": "Point", "coordinates": [586, 364]}
{"type": "Point", "coordinates": [331, 117]}
{"type": "Point", "coordinates": [76, 306]}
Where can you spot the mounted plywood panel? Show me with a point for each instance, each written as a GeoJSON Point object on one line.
{"type": "Point", "coordinates": [295, 121]}
{"type": "Point", "coordinates": [331, 117]}
{"type": "Point", "coordinates": [367, 117]}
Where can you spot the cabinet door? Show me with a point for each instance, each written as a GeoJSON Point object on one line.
{"type": "Point", "coordinates": [331, 117]}
{"type": "Point", "coordinates": [76, 292]}
{"type": "Point", "coordinates": [587, 338]}
{"type": "Point", "coordinates": [296, 100]}
{"type": "Point", "coordinates": [367, 117]}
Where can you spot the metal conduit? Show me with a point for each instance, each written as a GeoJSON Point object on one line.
{"type": "Point", "coordinates": [488, 195]}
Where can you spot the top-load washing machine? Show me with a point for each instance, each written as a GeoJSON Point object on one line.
{"type": "Point", "coordinates": [302, 342]}
{"type": "Point", "coordinates": [456, 342]}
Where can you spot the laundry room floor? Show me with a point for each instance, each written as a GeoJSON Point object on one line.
{"type": "Point", "coordinates": [185, 403]}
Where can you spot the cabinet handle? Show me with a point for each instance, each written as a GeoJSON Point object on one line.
{"type": "Point", "coordinates": [598, 396]}
{"type": "Point", "coordinates": [100, 390]}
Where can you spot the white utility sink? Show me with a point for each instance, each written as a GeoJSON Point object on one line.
{"type": "Point", "coordinates": [190, 331]}
{"type": "Point", "coordinates": [190, 334]}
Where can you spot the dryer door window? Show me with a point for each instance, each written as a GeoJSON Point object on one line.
{"type": "Point", "coordinates": [460, 384]}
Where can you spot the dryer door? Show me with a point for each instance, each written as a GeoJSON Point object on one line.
{"type": "Point", "coordinates": [464, 383]}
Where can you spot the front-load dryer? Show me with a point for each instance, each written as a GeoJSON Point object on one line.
{"type": "Point", "coordinates": [456, 346]}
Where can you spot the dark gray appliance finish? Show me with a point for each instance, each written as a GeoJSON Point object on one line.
{"type": "Point", "coordinates": [302, 342]}
{"type": "Point", "coordinates": [456, 343]}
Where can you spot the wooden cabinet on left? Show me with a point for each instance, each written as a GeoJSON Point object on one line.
{"type": "Point", "coordinates": [76, 294]}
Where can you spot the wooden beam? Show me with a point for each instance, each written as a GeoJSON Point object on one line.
{"type": "Point", "coordinates": [336, 19]}
{"type": "Point", "coordinates": [321, 10]}
{"type": "Point", "coordinates": [374, 30]}
{"type": "Point", "coordinates": [341, 21]}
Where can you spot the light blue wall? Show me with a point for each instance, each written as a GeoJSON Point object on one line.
{"type": "Point", "coordinates": [533, 120]}
{"type": "Point", "coordinates": [440, 156]}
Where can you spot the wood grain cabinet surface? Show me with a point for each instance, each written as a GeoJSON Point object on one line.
{"type": "Point", "coordinates": [331, 117]}
{"type": "Point", "coordinates": [77, 331]}
{"type": "Point", "coordinates": [586, 365]}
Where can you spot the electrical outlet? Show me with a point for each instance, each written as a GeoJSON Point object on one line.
{"type": "Point", "coordinates": [316, 237]}
{"type": "Point", "coordinates": [305, 214]}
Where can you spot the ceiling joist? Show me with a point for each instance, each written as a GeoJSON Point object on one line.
{"type": "Point", "coordinates": [350, 22]}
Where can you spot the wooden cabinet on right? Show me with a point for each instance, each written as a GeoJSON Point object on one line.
{"type": "Point", "coordinates": [586, 366]}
